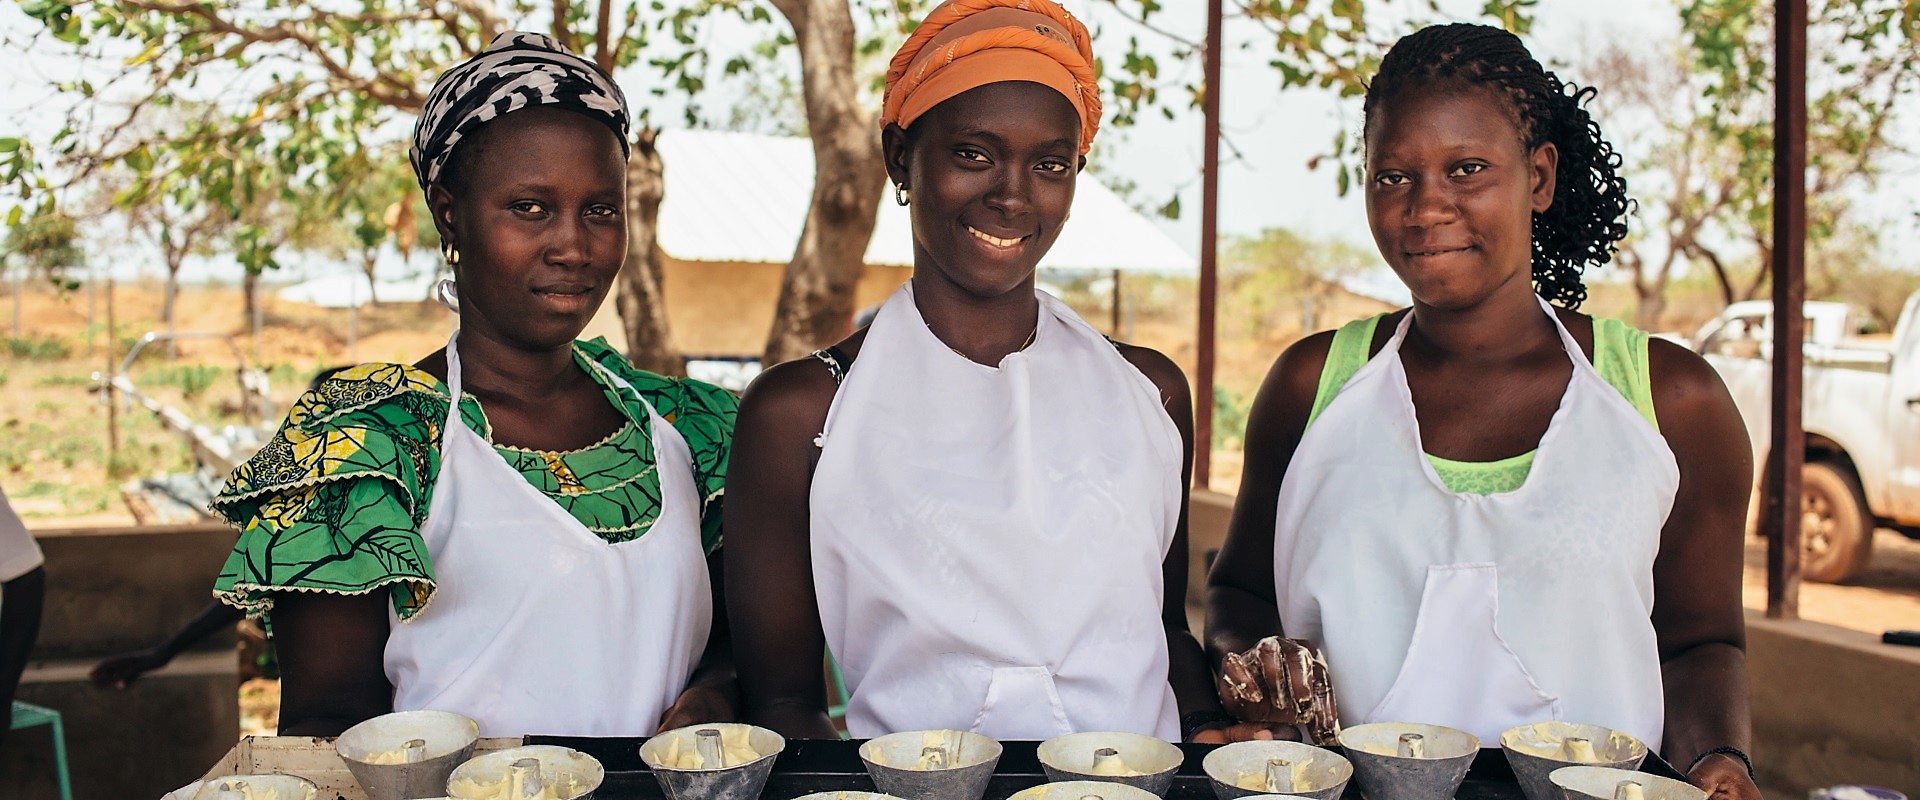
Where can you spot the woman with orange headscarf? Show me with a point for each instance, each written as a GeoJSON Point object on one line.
{"type": "Point", "coordinates": [977, 503]}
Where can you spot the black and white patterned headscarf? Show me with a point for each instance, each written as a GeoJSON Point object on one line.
{"type": "Point", "coordinates": [518, 70]}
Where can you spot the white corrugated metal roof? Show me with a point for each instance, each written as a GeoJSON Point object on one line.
{"type": "Point", "coordinates": [743, 197]}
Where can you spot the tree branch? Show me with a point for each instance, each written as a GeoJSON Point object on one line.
{"type": "Point", "coordinates": [1170, 35]}
{"type": "Point", "coordinates": [604, 53]}
{"type": "Point", "coordinates": [399, 94]}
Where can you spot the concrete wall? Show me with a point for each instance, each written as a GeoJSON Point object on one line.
{"type": "Point", "coordinates": [108, 591]}
{"type": "Point", "coordinates": [726, 309]}
{"type": "Point", "coordinates": [1832, 706]}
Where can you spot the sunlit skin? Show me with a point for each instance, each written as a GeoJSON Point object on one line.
{"type": "Point", "coordinates": [541, 230]}
{"type": "Point", "coordinates": [1451, 191]}
{"type": "Point", "coordinates": [998, 160]}
{"type": "Point", "coordinates": [977, 172]}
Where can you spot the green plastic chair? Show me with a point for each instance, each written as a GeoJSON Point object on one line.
{"type": "Point", "coordinates": [27, 715]}
{"type": "Point", "coordinates": [837, 696]}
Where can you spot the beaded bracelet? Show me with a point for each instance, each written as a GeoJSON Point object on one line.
{"type": "Point", "coordinates": [1724, 751]}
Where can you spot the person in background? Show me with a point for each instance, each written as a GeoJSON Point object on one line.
{"type": "Point", "coordinates": [120, 670]}
{"type": "Point", "coordinates": [978, 503]}
{"type": "Point", "coordinates": [1490, 509]}
{"type": "Point", "coordinates": [23, 588]}
{"type": "Point", "coordinates": [520, 527]}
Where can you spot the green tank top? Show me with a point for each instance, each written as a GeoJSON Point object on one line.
{"type": "Point", "coordinates": [1619, 355]}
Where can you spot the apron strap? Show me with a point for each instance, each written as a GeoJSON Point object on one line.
{"type": "Point", "coordinates": [453, 387]}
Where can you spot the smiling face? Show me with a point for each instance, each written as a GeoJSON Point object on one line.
{"type": "Point", "coordinates": [991, 175]}
{"type": "Point", "coordinates": [1451, 192]}
{"type": "Point", "coordinates": [538, 213]}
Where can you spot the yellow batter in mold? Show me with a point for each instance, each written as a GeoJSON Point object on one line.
{"type": "Point", "coordinates": [735, 749]}
{"type": "Point", "coordinates": [1294, 774]}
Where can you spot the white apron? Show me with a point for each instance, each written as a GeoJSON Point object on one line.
{"type": "Point", "coordinates": [1479, 612]}
{"type": "Point", "coordinates": [987, 542]}
{"type": "Point", "coordinates": [538, 626]}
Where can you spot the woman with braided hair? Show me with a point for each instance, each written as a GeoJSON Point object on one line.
{"type": "Point", "coordinates": [1489, 509]}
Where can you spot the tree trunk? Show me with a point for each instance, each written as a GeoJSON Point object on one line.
{"type": "Point", "coordinates": [171, 295]}
{"type": "Point", "coordinates": [367, 259]}
{"type": "Point", "coordinates": [816, 296]}
{"type": "Point", "coordinates": [1653, 303]}
{"type": "Point", "coordinates": [641, 297]}
{"type": "Point", "coordinates": [250, 294]}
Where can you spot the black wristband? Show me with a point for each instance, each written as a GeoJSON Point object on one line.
{"type": "Point", "coordinates": [1725, 751]}
{"type": "Point", "coordinates": [1191, 723]}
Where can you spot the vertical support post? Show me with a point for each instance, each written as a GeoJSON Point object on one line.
{"type": "Point", "coordinates": [113, 400]}
{"type": "Point", "coordinates": [19, 288]}
{"type": "Point", "coordinates": [1114, 329]}
{"type": "Point", "coordinates": [1209, 252]}
{"type": "Point", "coordinates": [93, 318]}
{"type": "Point", "coordinates": [1787, 453]}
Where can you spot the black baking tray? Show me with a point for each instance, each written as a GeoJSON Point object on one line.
{"type": "Point", "coordinates": [833, 765]}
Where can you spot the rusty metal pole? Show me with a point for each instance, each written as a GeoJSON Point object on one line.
{"type": "Point", "coordinates": [1787, 453]}
{"type": "Point", "coordinates": [1209, 250]}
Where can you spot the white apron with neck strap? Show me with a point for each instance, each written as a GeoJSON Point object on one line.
{"type": "Point", "coordinates": [538, 626]}
{"type": "Point", "coordinates": [987, 542]}
{"type": "Point", "coordinates": [1479, 612]}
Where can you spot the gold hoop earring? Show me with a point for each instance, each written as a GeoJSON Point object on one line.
{"type": "Point", "coordinates": [451, 253]}
{"type": "Point", "coordinates": [900, 194]}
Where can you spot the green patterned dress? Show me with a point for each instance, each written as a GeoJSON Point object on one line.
{"type": "Point", "coordinates": [335, 501]}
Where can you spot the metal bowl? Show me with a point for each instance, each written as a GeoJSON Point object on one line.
{"type": "Point", "coordinates": [573, 775]}
{"type": "Point", "coordinates": [932, 765]}
{"type": "Point", "coordinates": [1149, 763]}
{"type": "Point", "coordinates": [1317, 773]}
{"type": "Point", "coordinates": [1409, 761]}
{"type": "Point", "coordinates": [1537, 749]}
{"type": "Point", "coordinates": [445, 741]}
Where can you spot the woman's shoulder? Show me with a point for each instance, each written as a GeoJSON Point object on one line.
{"type": "Point", "coordinates": [366, 393]}
{"type": "Point", "coordinates": [1158, 368]}
{"type": "Point", "coordinates": [675, 398]}
{"type": "Point", "coordinates": [1684, 385]}
{"type": "Point", "coordinates": [370, 420]}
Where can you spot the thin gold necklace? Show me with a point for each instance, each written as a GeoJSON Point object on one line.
{"type": "Point", "coordinates": [1023, 345]}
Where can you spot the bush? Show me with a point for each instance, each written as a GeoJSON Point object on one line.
{"type": "Point", "coordinates": [1229, 419]}
{"type": "Point", "coordinates": [40, 348]}
{"type": "Point", "coordinates": [192, 380]}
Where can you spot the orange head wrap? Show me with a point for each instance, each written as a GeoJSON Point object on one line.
{"type": "Point", "coordinates": [966, 44]}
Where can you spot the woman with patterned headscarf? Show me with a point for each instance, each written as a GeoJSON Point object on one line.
{"type": "Point", "coordinates": [977, 503]}
{"type": "Point", "coordinates": [520, 527]}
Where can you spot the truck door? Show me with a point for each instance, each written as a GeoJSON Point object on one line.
{"type": "Point", "coordinates": [1903, 417]}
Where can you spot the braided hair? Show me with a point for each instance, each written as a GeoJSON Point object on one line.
{"type": "Point", "coordinates": [1590, 204]}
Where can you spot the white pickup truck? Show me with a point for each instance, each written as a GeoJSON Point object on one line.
{"type": "Point", "coordinates": [1860, 408]}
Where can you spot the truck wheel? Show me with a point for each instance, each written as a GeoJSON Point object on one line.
{"type": "Point", "coordinates": [1836, 532]}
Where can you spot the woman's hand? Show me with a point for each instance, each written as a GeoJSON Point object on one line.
{"type": "Point", "coordinates": [1723, 777]}
{"type": "Point", "coordinates": [118, 672]}
{"type": "Point", "coordinates": [696, 705]}
{"type": "Point", "coordinates": [1281, 684]}
{"type": "Point", "coordinates": [1245, 732]}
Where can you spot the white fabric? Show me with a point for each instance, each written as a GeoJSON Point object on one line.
{"type": "Point", "coordinates": [538, 625]}
{"type": "Point", "coordinates": [987, 542]}
{"type": "Point", "coordinates": [1479, 612]}
{"type": "Point", "coordinates": [19, 553]}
